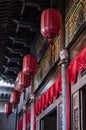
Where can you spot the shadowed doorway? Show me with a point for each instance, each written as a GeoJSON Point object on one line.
{"type": "Point", "coordinates": [49, 122]}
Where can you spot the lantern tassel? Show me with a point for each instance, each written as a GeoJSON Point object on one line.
{"type": "Point", "coordinates": [51, 53]}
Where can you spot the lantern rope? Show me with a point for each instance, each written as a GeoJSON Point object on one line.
{"type": "Point", "coordinates": [51, 52]}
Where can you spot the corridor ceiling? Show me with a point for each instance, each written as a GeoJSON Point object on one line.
{"type": "Point", "coordinates": [19, 32]}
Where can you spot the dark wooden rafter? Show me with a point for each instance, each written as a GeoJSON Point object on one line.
{"type": "Point", "coordinates": [19, 31]}
{"type": "Point", "coordinates": [31, 26]}
{"type": "Point", "coordinates": [20, 42]}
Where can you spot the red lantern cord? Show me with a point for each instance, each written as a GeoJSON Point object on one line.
{"type": "Point", "coordinates": [50, 41]}
{"type": "Point", "coordinates": [51, 51]}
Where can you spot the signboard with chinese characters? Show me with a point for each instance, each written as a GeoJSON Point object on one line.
{"type": "Point", "coordinates": [75, 18]}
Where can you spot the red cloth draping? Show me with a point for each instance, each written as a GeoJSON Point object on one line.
{"type": "Point", "coordinates": [77, 65]}
{"type": "Point", "coordinates": [35, 108]}
{"type": "Point", "coordinates": [40, 102]}
{"type": "Point", "coordinates": [46, 98]}
{"type": "Point", "coordinates": [20, 124]}
{"type": "Point", "coordinates": [81, 60]}
{"type": "Point", "coordinates": [28, 117]}
{"type": "Point", "coordinates": [55, 91]}
{"type": "Point", "coordinates": [43, 102]}
{"type": "Point", "coordinates": [50, 94]}
{"type": "Point", "coordinates": [72, 72]}
{"type": "Point", "coordinates": [39, 105]}
{"type": "Point", "coordinates": [58, 84]}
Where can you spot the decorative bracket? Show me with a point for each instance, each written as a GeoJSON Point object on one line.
{"type": "Point", "coordinates": [63, 57]}
{"type": "Point", "coordinates": [32, 97]}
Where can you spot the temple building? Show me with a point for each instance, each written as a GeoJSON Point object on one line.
{"type": "Point", "coordinates": [42, 64]}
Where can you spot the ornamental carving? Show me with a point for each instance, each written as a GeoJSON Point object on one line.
{"type": "Point", "coordinates": [45, 64]}
{"type": "Point", "coordinates": [74, 19]}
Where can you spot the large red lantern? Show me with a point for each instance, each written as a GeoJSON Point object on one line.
{"type": "Point", "coordinates": [15, 97]}
{"type": "Point", "coordinates": [24, 80]}
{"type": "Point", "coordinates": [8, 109]}
{"type": "Point", "coordinates": [29, 64]}
{"type": "Point", "coordinates": [50, 23]}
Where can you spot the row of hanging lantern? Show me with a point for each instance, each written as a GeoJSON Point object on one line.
{"type": "Point", "coordinates": [14, 100]}
{"type": "Point", "coordinates": [24, 80]}
{"type": "Point", "coordinates": [50, 28]}
{"type": "Point", "coordinates": [29, 69]}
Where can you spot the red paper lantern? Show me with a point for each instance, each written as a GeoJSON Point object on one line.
{"type": "Point", "coordinates": [17, 87]}
{"type": "Point", "coordinates": [15, 97]}
{"type": "Point", "coordinates": [24, 80]}
{"type": "Point", "coordinates": [29, 64]}
{"type": "Point", "coordinates": [50, 23]}
{"type": "Point", "coordinates": [8, 109]}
